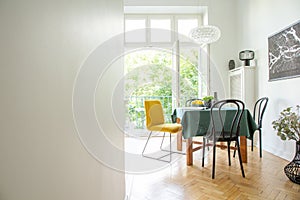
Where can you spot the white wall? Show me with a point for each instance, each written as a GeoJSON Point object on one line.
{"type": "Point", "coordinates": [222, 14]}
{"type": "Point", "coordinates": [43, 44]}
{"type": "Point", "coordinates": [257, 21]}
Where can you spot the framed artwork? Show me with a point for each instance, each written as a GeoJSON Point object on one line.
{"type": "Point", "coordinates": [284, 53]}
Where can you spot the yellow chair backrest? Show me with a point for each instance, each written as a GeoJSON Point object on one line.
{"type": "Point", "coordinates": [154, 113]}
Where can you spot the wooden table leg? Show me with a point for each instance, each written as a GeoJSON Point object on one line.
{"type": "Point", "coordinates": [179, 137]}
{"type": "Point", "coordinates": [189, 151]}
{"type": "Point", "coordinates": [243, 146]}
{"type": "Point", "coordinates": [179, 141]}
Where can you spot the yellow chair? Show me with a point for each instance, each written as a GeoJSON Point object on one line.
{"type": "Point", "coordinates": [155, 122]}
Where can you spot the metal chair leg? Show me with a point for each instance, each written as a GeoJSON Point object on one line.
{"type": "Point", "coordinates": [240, 158]}
{"type": "Point", "coordinates": [234, 151]}
{"type": "Point", "coordinates": [162, 141]}
{"type": "Point", "coordinates": [170, 149]}
{"type": "Point", "coordinates": [252, 141]}
{"type": "Point", "coordinates": [260, 143]}
{"type": "Point", "coordinates": [228, 149]}
{"type": "Point", "coordinates": [214, 161]}
{"type": "Point", "coordinates": [146, 143]}
{"type": "Point", "coordinates": [252, 144]}
{"type": "Point", "coordinates": [159, 158]}
{"type": "Point", "coordinates": [203, 151]}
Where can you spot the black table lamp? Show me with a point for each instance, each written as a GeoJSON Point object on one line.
{"type": "Point", "coordinates": [246, 56]}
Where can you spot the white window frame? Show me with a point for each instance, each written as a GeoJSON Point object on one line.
{"type": "Point", "coordinates": [159, 16]}
{"type": "Point", "coordinates": [174, 37]}
{"type": "Point", "coordinates": [174, 27]}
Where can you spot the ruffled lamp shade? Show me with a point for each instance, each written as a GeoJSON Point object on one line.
{"type": "Point", "coordinates": [205, 34]}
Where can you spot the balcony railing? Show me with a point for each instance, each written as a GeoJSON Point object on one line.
{"type": "Point", "coordinates": [136, 114]}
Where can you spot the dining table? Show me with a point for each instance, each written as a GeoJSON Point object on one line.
{"type": "Point", "coordinates": [196, 121]}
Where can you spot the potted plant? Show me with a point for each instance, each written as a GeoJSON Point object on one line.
{"type": "Point", "coordinates": [208, 101]}
{"type": "Point", "coordinates": [288, 127]}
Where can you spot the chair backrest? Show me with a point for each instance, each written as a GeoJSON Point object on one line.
{"type": "Point", "coordinates": [188, 102]}
{"type": "Point", "coordinates": [226, 116]}
{"type": "Point", "coordinates": [154, 113]}
{"type": "Point", "coordinates": [259, 110]}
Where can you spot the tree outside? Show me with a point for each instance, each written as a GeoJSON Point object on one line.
{"type": "Point", "coordinates": [149, 76]}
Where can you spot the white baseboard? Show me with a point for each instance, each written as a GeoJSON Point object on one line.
{"type": "Point", "coordinates": [278, 152]}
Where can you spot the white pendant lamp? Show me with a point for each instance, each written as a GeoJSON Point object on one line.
{"type": "Point", "coordinates": [205, 34]}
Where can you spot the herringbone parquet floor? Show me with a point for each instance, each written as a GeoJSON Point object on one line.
{"type": "Point", "coordinates": [265, 179]}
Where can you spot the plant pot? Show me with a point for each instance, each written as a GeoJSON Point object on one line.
{"type": "Point", "coordinates": [208, 104]}
{"type": "Point", "coordinates": [292, 170]}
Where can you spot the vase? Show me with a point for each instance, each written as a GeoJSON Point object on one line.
{"type": "Point", "coordinates": [231, 64]}
{"type": "Point", "coordinates": [207, 104]}
{"type": "Point", "coordinates": [292, 170]}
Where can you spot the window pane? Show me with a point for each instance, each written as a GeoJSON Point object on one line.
{"type": "Point", "coordinates": [135, 36]}
{"type": "Point", "coordinates": [147, 76]}
{"type": "Point", "coordinates": [190, 80]}
{"type": "Point", "coordinates": [157, 34]}
{"type": "Point", "coordinates": [185, 26]}
{"type": "Point", "coordinates": [131, 24]}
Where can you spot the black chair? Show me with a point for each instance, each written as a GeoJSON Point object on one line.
{"type": "Point", "coordinates": [225, 127]}
{"type": "Point", "coordinates": [258, 113]}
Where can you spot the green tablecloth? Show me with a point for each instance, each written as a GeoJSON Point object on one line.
{"type": "Point", "coordinates": [196, 122]}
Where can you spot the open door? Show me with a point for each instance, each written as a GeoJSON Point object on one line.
{"type": "Point", "coordinates": [175, 74]}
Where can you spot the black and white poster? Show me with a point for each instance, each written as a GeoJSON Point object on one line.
{"type": "Point", "coordinates": [284, 53]}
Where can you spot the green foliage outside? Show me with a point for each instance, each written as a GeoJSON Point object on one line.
{"type": "Point", "coordinates": [149, 75]}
